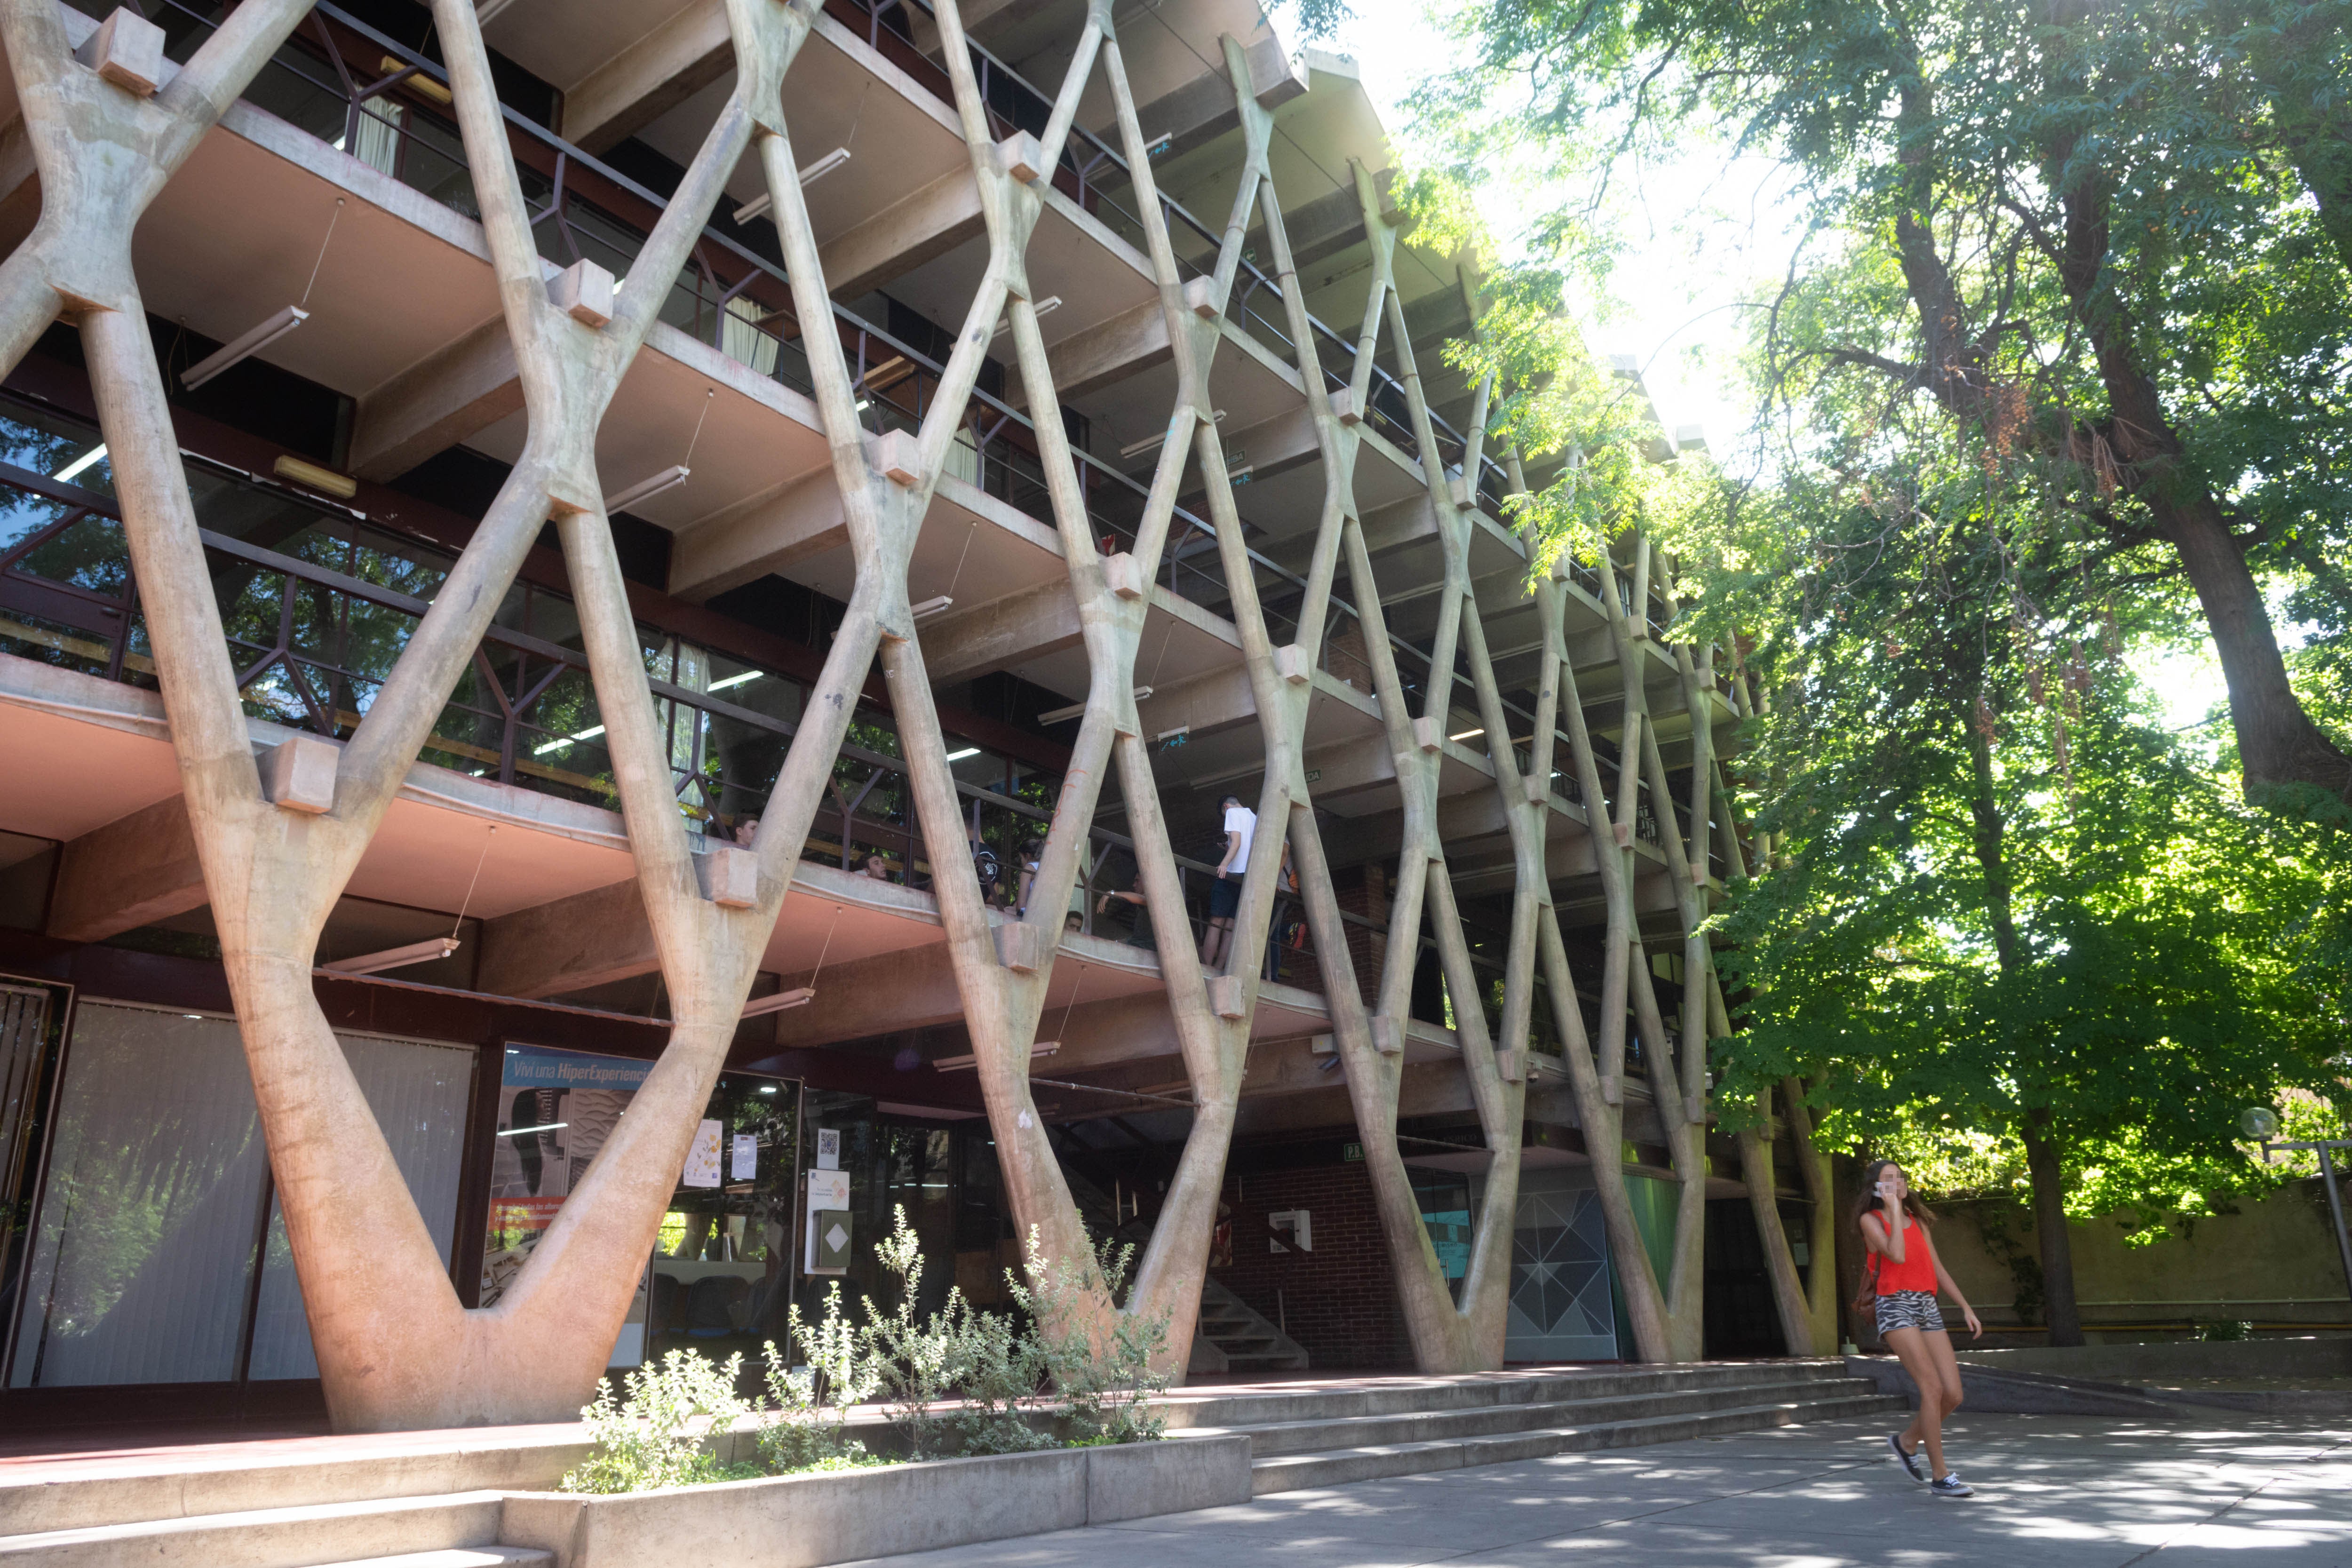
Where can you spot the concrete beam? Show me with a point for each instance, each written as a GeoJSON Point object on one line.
{"type": "Point", "coordinates": [441, 400]}
{"type": "Point", "coordinates": [649, 77]}
{"type": "Point", "coordinates": [1007, 631]}
{"type": "Point", "coordinates": [1202, 109]}
{"type": "Point", "coordinates": [1327, 227]}
{"type": "Point", "coordinates": [759, 535]}
{"type": "Point", "coordinates": [570, 945]}
{"type": "Point", "coordinates": [1111, 351]}
{"type": "Point", "coordinates": [912, 988]}
{"type": "Point", "coordinates": [133, 871]}
{"type": "Point", "coordinates": [981, 18]}
{"type": "Point", "coordinates": [918, 228]}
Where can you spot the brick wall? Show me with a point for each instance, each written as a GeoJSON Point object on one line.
{"type": "Point", "coordinates": [1340, 1301]}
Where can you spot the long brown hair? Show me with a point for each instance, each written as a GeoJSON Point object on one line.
{"type": "Point", "coordinates": [1870, 1200]}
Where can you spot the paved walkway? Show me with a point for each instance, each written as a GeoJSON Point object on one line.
{"type": "Point", "coordinates": [2051, 1492]}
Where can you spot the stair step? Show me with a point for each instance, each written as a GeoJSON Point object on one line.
{"type": "Point", "coordinates": [393, 1528]}
{"type": "Point", "coordinates": [459, 1557]}
{"type": "Point", "coordinates": [1438, 1426]}
{"type": "Point", "coordinates": [1294, 1472]}
{"type": "Point", "coordinates": [1408, 1395]}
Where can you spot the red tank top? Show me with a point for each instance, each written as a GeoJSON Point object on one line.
{"type": "Point", "coordinates": [1918, 1270]}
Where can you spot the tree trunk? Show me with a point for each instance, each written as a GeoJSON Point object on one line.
{"type": "Point", "coordinates": [2044, 1163]}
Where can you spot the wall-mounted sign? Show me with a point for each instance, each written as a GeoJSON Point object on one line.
{"type": "Point", "coordinates": [702, 1155]}
{"type": "Point", "coordinates": [555, 1110]}
{"type": "Point", "coordinates": [828, 1211]}
{"type": "Point", "coordinates": [828, 1148]}
{"type": "Point", "coordinates": [745, 1165]}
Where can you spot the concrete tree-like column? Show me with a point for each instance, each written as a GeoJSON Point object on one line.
{"type": "Point", "coordinates": [395, 1349]}
{"type": "Point", "coordinates": [1005, 967]}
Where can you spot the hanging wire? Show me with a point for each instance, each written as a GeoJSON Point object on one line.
{"type": "Point", "coordinates": [708, 396]}
{"type": "Point", "coordinates": [958, 575]}
{"type": "Point", "coordinates": [468, 900]}
{"type": "Point", "coordinates": [1073, 1007]}
{"type": "Point", "coordinates": [825, 949]}
{"type": "Point", "coordinates": [331, 221]}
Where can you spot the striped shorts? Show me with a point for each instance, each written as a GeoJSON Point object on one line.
{"type": "Point", "coordinates": [1909, 1309]}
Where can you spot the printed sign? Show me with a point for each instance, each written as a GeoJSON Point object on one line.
{"type": "Point", "coordinates": [828, 1148]}
{"type": "Point", "coordinates": [702, 1155]}
{"type": "Point", "coordinates": [745, 1166]}
{"type": "Point", "coordinates": [555, 1110]}
{"type": "Point", "coordinates": [829, 1206]}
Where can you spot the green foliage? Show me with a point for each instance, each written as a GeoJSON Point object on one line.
{"type": "Point", "coordinates": [956, 1382]}
{"type": "Point", "coordinates": [659, 1437]}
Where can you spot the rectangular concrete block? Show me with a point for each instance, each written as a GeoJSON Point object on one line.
{"type": "Point", "coordinates": [1200, 298]}
{"type": "Point", "coordinates": [1292, 663]}
{"type": "Point", "coordinates": [807, 1521]}
{"type": "Point", "coordinates": [1428, 735]}
{"type": "Point", "coordinates": [1123, 577]}
{"type": "Point", "coordinates": [1023, 156]}
{"type": "Point", "coordinates": [299, 775]}
{"type": "Point", "coordinates": [1344, 409]}
{"type": "Point", "coordinates": [127, 50]}
{"type": "Point", "coordinates": [898, 457]}
{"type": "Point", "coordinates": [729, 877]}
{"type": "Point", "coordinates": [584, 292]}
{"type": "Point", "coordinates": [1021, 947]}
{"type": "Point", "coordinates": [1387, 1039]}
{"type": "Point", "coordinates": [1225, 995]}
{"type": "Point", "coordinates": [1139, 1480]}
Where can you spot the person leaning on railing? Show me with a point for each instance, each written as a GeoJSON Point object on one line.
{"type": "Point", "coordinates": [1225, 892]}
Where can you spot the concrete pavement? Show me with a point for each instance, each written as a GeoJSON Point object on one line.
{"type": "Point", "coordinates": [2064, 1492]}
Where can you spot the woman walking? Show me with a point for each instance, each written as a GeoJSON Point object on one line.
{"type": "Point", "coordinates": [1903, 1274]}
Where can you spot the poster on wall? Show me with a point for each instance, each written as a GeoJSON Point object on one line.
{"type": "Point", "coordinates": [555, 1110]}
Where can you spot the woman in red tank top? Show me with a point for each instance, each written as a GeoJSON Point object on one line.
{"type": "Point", "coordinates": [1903, 1274]}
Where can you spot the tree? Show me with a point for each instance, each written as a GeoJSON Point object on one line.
{"type": "Point", "coordinates": [2006, 902]}
{"type": "Point", "coordinates": [2107, 248]}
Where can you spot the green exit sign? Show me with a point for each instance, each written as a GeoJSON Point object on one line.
{"type": "Point", "coordinates": [1351, 1153]}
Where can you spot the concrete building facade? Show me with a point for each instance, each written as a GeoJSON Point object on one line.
{"type": "Point", "coordinates": [623, 629]}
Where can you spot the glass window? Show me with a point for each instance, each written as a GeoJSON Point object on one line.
{"type": "Point", "coordinates": [156, 1211]}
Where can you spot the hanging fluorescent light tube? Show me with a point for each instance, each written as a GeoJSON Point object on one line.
{"type": "Point", "coordinates": [810, 174]}
{"type": "Point", "coordinates": [1074, 709]}
{"type": "Point", "coordinates": [930, 608]}
{"type": "Point", "coordinates": [488, 11]}
{"type": "Point", "coordinates": [1176, 733]}
{"type": "Point", "coordinates": [1133, 447]}
{"type": "Point", "coordinates": [1046, 307]}
{"type": "Point", "coordinates": [243, 348]}
{"type": "Point", "coordinates": [542, 1127]}
{"type": "Point", "coordinates": [798, 996]}
{"type": "Point", "coordinates": [395, 957]}
{"type": "Point", "coordinates": [1466, 734]}
{"type": "Point", "coordinates": [967, 752]}
{"type": "Point", "coordinates": [667, 478]}
{"type": "Point", "coordinates": [965, 1064]}
{"type": "Point", "coordinates": [74, 470]}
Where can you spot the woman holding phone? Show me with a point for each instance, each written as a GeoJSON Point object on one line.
{"type": "Point", "coordinates": [1903, 1274]}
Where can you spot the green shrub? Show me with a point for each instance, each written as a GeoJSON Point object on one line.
{"type": "Point", "coordinates": [658, 1439]}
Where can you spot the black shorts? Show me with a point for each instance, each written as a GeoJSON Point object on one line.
{"type": "Point", "coordinates": [1224, 899]}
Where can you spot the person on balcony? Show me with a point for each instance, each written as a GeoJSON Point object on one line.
{"type": "Point", "coordinates": [1225, 892]}
{"type": "Point", "coordinates": [1139, 934]}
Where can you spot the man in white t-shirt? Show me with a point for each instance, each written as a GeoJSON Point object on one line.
{"type": "Point", "coordinates": [1225, 892]}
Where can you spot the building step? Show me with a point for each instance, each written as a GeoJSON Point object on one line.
{"type": "Point", "coordinates": [394, 1530]}
{"type": "Point", "coordinates": [459, 1557]}
{"type": "Point", "coordinates": [1437, 1426]}
{"type": "Point", "coordinates": [1294, 1472]}
{"type": "Point", "coordinates": [1187, 1410]}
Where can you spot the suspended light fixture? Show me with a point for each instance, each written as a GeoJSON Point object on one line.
{"type": "Point", "coordinates": [798, 996]}
{"type": "Point", "coordinates": [929, 607]}
{"type": "Point", "coordinates": [965, 1064]}
{"type": "Point", "coordinates": [1134, 447]}
{"type": "Point", "coordinates": [395, 957]}
{"type": "Point", "coordinates": [1057, 715]}
{"type": "Point", "coordinates": [645, 490]}
{"type": "Point", "coordinates": [1045, 307]}
{"type": "Point", "coordinates": [239, 350]}
{"type": "Point", "coordinates": [810, 174]}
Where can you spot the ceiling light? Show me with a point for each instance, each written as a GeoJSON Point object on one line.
{"type": "Point", "coordinates": [965, 1064]}
{"type": "Point", "coordinates": [1466, 734]}
{"type": "Point", "coordinates": [73, 470]}
{"type": "Point", "coordinates": [1045, 307]}
{"type": "Point", "coordinates": [243, 348]}
{"type": "Point", "coordinates": [798, 996]}
{"type": "Point", "coordinates": [810, 174]}
{"type": "Point", "coordinates": [587, 734]}
{"type": "Point", "coordinates": [487, 11]}
{"type": "Point", "coordinates": [1057, 715]}
{"type": "Point", "coordinates": [310, 475]}
{"type": "Point", "coordinates": [735, 680]}
{"type": "Point", "coordinates": [1132, 447]}
{"type": "Point", "coordinates": [930, 608]}
{"type": "Point", "coordinates": [767, 1088]}
{"type": "Point", "coordinates": [967, 752]}
{"type": "Point", "coordinates": [395, 957]}
{"type": "Point", "coordinates": [542, 1127]}
{"type": "Point", "coordinates": [675, 475]}
{"type": "Point", "coordinates": [418, 82]}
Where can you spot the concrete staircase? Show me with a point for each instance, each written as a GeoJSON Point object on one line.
{"type": "Point", "coordinates": [1233, 1336]}
{"type": "Point", "coordinates": [1328, 1435]}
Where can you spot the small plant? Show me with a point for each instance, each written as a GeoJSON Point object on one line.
{"type": "Point", "coordinates": [1104, 1371]}
{"type": "Point", "coordinates": [657, 1436]}
{"type": "Point", "coordinates": [794, 1436]}
{"type": "Point", "coordinates": [2224, 1330]}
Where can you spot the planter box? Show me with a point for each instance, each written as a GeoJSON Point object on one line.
{"type": "Point", "coordinates": [806, 1521]}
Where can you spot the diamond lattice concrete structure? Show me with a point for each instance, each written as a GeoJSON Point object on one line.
{"type": "Point", "coordinates": [676, 702]}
